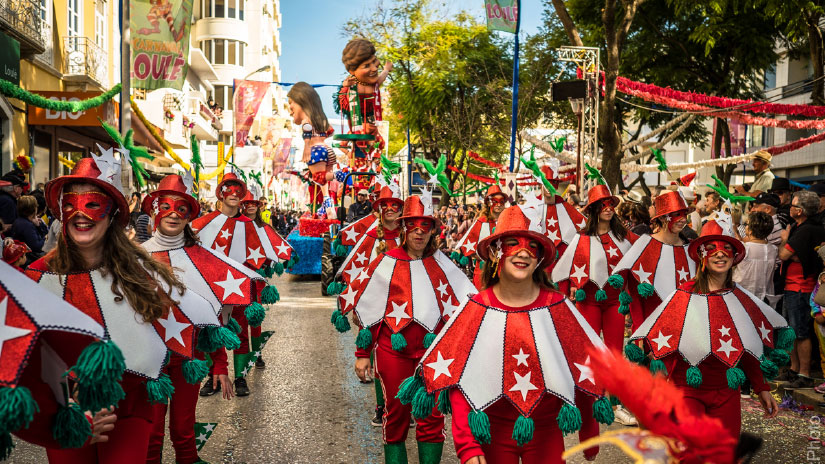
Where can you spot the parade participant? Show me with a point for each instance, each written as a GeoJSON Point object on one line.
{"type": "Point", "coordinates": [711, 334]}
{"type": "Point", "coordinates": [399, 324]}
{"type": "Point", "coordinates": [494, 203]}
{"type": "Point", "coordinates": [583, 272]}
{"type": "Point", "coordinates": [221, 281]}
{"type": "Point", "coordinates": [562, 221]}
{"type": "Point", "coordinates": [229, 232]}
{"type": "Point", "coordinates": [142, 304]}
{"type": "Point", "coordinates": [15, 254]}
{"type": "Point", "coordinates": [512, 396]}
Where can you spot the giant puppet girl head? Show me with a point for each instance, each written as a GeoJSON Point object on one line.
{"type": "Point", "coordinates": [306, 109]}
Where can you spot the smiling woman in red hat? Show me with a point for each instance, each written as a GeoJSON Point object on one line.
{"type": "Point", "coordinates": [399, 324]}
{"type": "Point", "coordinates": [711, 334]}
{"type": "Point", "coordinates": [511, 364]}
{"type": "Point", "coordinates": [494, 203]}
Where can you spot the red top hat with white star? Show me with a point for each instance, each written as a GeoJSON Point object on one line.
{"type": "Point", "coordinates": [668, 202]}
{"type": "Point", "coordinates": [171, 185]}
{"type": "Point", "coordinates": [229, 177]}
{"type": "Point", "coordinates": [414, 209]}
{"type": "Point", "coordinates": [386, 195]}
{"type": "Point", "coordinates": [716, 230]}
{"type": "Point", "coordinates": [86, 171]}
{"type": "Point", "coordinates": [249, 198]}
{"type": "Point", "coordinates": [514, 223]}
{"type": "Point", "coordinates": [600, 192]}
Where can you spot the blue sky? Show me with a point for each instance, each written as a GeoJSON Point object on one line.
{"type": "Point", "coordinates": [311, 40]}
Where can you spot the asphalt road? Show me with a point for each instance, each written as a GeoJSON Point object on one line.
{"type": "Point", "coordinates": [308, 407]}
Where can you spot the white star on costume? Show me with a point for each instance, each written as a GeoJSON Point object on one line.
{"type": "Point", "coordinates": [348, 297]}
{"type": "Point", "coordinates": [585, 371]}
{"type": "Point", "coordinates": [441, 366]}
{"type": "Point", "coordinates": [613, 252]}
{"type": "Point", "coordinates": [726, 347]}
{"type": "Point", "coordinates": [173, 328]}
{"type": "Point", "coordinates": [360, 257]}
{"type": "Point", "coordinates": [231, 286]}
{"type": "Point", "coordinates": [352, 272]}
{"type": "Point", "coordinates": [468, 248]}
{"type": "Point", "coordinates": [363, 275]}
{"type": "Point", "coordinates": [553, 235]}
{"type": "Point", "coordinates": [523, 385]}
{"type": "Point", "coordinates": [398, 312]}
{"type": "Point", "coordinates": [449, 308]}
{"type": "Point", "coordinates": [662, 340]}
{"type": "Point", "coordinates": [244, 372]}
{"type": "Point", "coordinates": [578, 273]}
{"type": "Point", "coordinates": [641, 275]}
{"type": "Point", "coordinates": [8, 332]}
{"type": "Point", "coordinates": [351, 234]}
{"type": "Point", "coordinates": [255, 254]}
{"type": "Point", "coordinates": [582, 224]}
{"type": "Point", "coordinates": [209, 427]}
{"type": "Point", "coordinates": [201, 437]}
{"type": "Point", "coordinates": [521, 357]}
{"type": "Point", "coordinates": [442, 288]}
{"type": "Point", "coordinates": [764, 331]}
{"type": "Point", "coordinates": [257, 354]}
{"type": "Point", "coordinates": [551, 223]}
{"type": "Point", "coordinates": [683, 275]}
{"type": "Point", "coordinates": [724, 331]}
{"type": "Point", "coordinates": [250, 363]}
{"type": "Point", "coordinates": [225, 234]}
{"type": "Point", "coordinates": [283, 248]}
{"type": "Point", "coordinates": [220, 248]}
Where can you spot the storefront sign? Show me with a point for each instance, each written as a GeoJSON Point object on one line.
{"type": "Point", "coordinates": [160, 42]}
{"type": "Point", "coordinates": [9, 59]}
{"type": "Point", "coordinates": [108, 112]}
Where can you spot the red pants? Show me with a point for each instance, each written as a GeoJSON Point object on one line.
{"type": "Point", "coordinates": [392, 369]}
{"type": "Point", "coordinates": [181, 418]}
{"type": "Point", "coordinates": [723, 404]}
{"type": "Point", "coordinates": [128, 444]}
{"type": "Point", "coordinates": [546, 446]}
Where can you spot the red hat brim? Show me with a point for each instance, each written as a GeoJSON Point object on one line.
{"type": "Point", "coordinates": [614, 198]}
{"type": "Point", "coordinates": [223, 182]}
{"type": "Point", "coordinates": [669, 212]}
{"type": "Point", "coordinates": [483, 248]}
{"type": "Point", "coordinates": [381, 201]}
{"type": "Point", "coordinates": [693, 248]}
{"type": "Point", "coordinates": [55, 187]}
{"type": "Point", "coordinates": [146, 204]}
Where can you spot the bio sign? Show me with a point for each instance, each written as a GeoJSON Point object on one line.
{"type": "Point", "coordinates": [160, 43]}
{"type": "Point", "coordinates": [108, 111]}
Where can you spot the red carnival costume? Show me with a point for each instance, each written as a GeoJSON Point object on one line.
{"type": "Point", "coordinates": [710, 342]}
{"type": "Point", "coordinates": [352, 232]}
{"type": "Point", "coordinates": [510, 375]}
{"type": "Point", "coordinates": [467, 246]}
{"type": "Point", "coordinates": [562, 221]}
{"type": "Point", "coordinates": [218, 279]}
{"type": "Point", "coordinates": [399, 324]}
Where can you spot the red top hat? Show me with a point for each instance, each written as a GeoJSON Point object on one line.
{"type": "Point", "coordinates": [248, 198]}
{"type": "Point", "coordinates": [171, 185]}
{"type": "Point", "coordinates": [414, 209]}
{"type": "Point", "coordinates": [600, 192]}
{"type": "Point", "coordinates": [669, 202]}
{"type": "Point", "coordinates": [513, 223]}
{"type": "Point", "coordinates": [229, 177]}
{"type": "Point", "coordinates": [386, 196]}
{"type": "Point", "coordinates": [15, 251]}
{"type": "Point", "coordinates": [86, 172]}
{"type": "Point", "coordinates": [685, 180]}
{"type": "Point", "coordinates": [493, 190]}
{"type": "Point", "coordinates": [713, 230]}
{"type": "Point", "coordinates": [550, 175]}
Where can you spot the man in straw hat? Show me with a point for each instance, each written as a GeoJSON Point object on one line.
{"type": "Point", "coordinates": [764, 176]}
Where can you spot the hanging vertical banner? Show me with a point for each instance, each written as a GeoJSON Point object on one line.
{"type": "Point", "coordinates": [281, 157]}
{"type": "Point", "coordinates": [502, 15]}
{"type": "Point", "coordinates": [160, 42]}
{"type": "Point", "coordinates": [247, 100]}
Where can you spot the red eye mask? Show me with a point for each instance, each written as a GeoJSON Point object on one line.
{"type": "Point", "coordinates": [497, 200]}
{"type": "Point", "coordinates": [715, 247]}
{"type": "Point", "coordinates": [423, 225]}
{"type": "Point", "coordinates": [673, 218]}
{"type": "Point", "coordinates": [95, 206]}
{"type": "Point", "coordinates": [232, 189]}
{"type": "Point", "coordinates": [511, 248]}
{"type": "Point", "coordinates": [165, 206]}
{"type": "Point", "coordinates": [395, 207]}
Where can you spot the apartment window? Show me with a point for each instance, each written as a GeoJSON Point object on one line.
{"type": "Point", "coordinates": [240, 53]}
{"type": "Point", "coordinates": [100, 23]}
{"type": "Point", "coordinates": [45, 8]}
{"type": "Point", "coordinates": [223, 9]}
{"type": "Point", "coordinates": [770, 77]}
{"type": "Point", "coordinates": [222, 51]}
{"type": "Point", "coordinates": [206, 48]}
{"type": "Point", "coordinates": [75, 25]}
{"type": "Point", "coordinates": [240, 9]}
{"type": "Point", "coordinates": [232, 51]}
{"type": "Point", "coordinates": [231, 8]}
{"type": "Point", "coordinates": [220, 57]}
{"type": "Point", "coordinates": [223, 95]}
{"type": "Point", "coordinates": [220, 8]}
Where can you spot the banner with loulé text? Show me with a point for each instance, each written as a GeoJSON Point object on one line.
{"type": "Point", "coordinates": [160, 42]}
{"type": "Point", "coordinates": [502, 15]}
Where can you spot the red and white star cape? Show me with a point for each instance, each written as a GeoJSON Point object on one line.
{"type": "Point", "coordinates": [725, 324]}
{"type": "Point", "coordinates": [480, 230]}
{"type": "Point", "coordinates": [590, 257]}
{"type": "Point", "coordinates": [241, 239]}
{"type": "Point", "coordinates": [650, 261]}
{"type": "Point", "coordinates": [364, 253]}
{"type": "Point", "coordinates": [353, 232]}
{"type": "Point", "coordinates": [562, 222]}
{"type": "Point", "coordinates": [398, 291]}
{"type": "Point", "coordinates": [489, 352]}
{"type": "Point", "coordinates": [144, 345]}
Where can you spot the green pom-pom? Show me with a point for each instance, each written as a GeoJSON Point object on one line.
{"type": "Point", "coordinates": [255, 314]}
{"type": "Point", "coordinates": [735, 377]}
{"type": "Point", "coordinates": [342, 324]}
{"type": "Point", "coordinates": [769, 368]}
{"type": "Point", "coordinates": [71, 429]}
{"type": "Point", "coordinates": [455, 256]}
{"type": "Point", "coordinates": [694, 377]}
{"type": "Point", "coordinates": [603, 411]}
{"type": "Point", "coordinates": [270, 271]}
{"type": "Point", "coordinates": [194, 370]}
{"type": "Point", "coordinates": [99, 362]}
{"type": "Point", "coordinates": [601, 295]}
{"type": "Point", "coordinates": [625, 298]}
{"type": "Point", "coordinates": [428, 340]}
{"type": "Point", "coordinates": [580, 295]}
{"type": "Point", "coordinates": [785, 338]}
{"type": "Point", "coordinates": [523, 430]}
{"type": "Point", "coordinates": [261, 272]}
{"type": "Point", "coordinates": [779, 357]}
{"type": "Point", "coordinates": [336, 288]}
{"type": "Point", "coordinates": [569, 419]}
{"type": "Point", "coordinates": [633, 353]}
{"type": "Point", "coordinates": [624, 310]}
{"type": "Point", "coordinates": [408, 388]}
{"type": "Point", "coordinates": [364, 338]}
{"type": "Point", "coordinates": [480, 426]}
{"type": "Point", "coordinates": [211, 338]}
{"type": "Point", "coordinates": [6, 443]}
{"type": "Point", "coordinates": [645, 290]}
{"type": "Point", "coordinates": [423, 403]}
{"type": "Point", "coordinates": [616, 281]}
{"type": "Point", "coordinates": [398, 341]}
{"type": "Point", "coordinates": [233, 326]}
{"type": "Point", "coordinates": [278, 268]}
{"type": "Point", "coordinates": [464, 261]}
{"type": "Point", "coordinates": [96, 396]}
{"type": "Point", "coordinates": [269, 295]}
{"type": "Point", "coordinates": [657, 366]}
{"type": "Point", "coordinates": [160, 390]}
{"type": "Point", "coordinates": [336, 242]}
{"type": "Point", "coordinates": [444, 405]}
{"type": "Point", "coordinates": [17, 408]}
{"type": "Point", "coordinates": [335, 315]}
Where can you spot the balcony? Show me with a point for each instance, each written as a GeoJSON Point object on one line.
{"type": "Point", "coordinates": [85, 61]}
{"type": "Point", "coordinates": [21, 20]}
{"type": "Point", "coordinates": [201, 120]}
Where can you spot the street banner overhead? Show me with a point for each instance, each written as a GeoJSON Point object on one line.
{"type": "Point", "coordinates": [248, 96]}
{"type": "Point", "coordinates": [502, 15]}
{"type": "Point", "coordinates": [160, 43]}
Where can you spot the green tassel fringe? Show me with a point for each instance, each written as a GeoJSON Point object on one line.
{"type": "Point", "coordinates": [694, 377]}
{"type": "Point", "coordinates": [657, 366]}
{"type": "Point", "coordinates": [408, 388]}
{"type": "Point", "coordinates": [464, 261]}
{"type": "Point", "coordinates": [96, 396]}
{"type": "Point", "coordinates": [278, 268]}
{"type": "Point", "coordinates": [17, 408]}
{"type": "Point", "coordinates": [99, 362]}
{"type": "Point", "coordinates": [523, 430]}
{"type": "Point", "coordinates": [769, 368]}
{"type": "Point", "coordinates": [625, 298]}
{"type": "Point", "coordinates": [603, 411]}
{"type": "Point", "coordinates": [336, 288]}
{"type": "Point", "coordinates": [624, 310]}
{"type": "Point", "coordinates": [261, 272]}
{"type": "Point", "coordinates": [569, 419]}
{"type": "Point", "coordinates": [444, 405]}
{"type": "Point", "coordinates": [735, 377]}
{"type": "Point", "coordinates": [428, 340]}
{"type": "Point", "coordinates": [364, 339]}
{"type": "Point", "coordinates": [233, 326]}
{"type": "Point", "coordinates": [616, 281]}
{"type": "Point", "coordinates": [160, 390]}
{"type": "Point", "coordinates": [6, 443]}
{"type": "Point", "coordinates": [9, 89]}
{"type": "Point", "coordinates": [342, 324]}
{"type": "Point", "coordinates": [580, 295]}
{"type": "Point", "coordinates": [336, 243]}
{"type": "Point", "coordinates": [194, 370]}
{"type": "Point", "coordinates": [269, 295]}
{"type": "Point", "coordinates": [71, 429]}
{"type": "Point", "coordinates": [633, 353]}
{"type": "Point", "coordinates": [601, 295]}
{"type": "Point", "coordinates": [212, 338]}
{"type": "Point", "coordinates": [645, 290]}
{"type": "Point", "coordinates": [780, 357]}
{"type": "Point", "coordinates": [255, 314]}
{"type": "Point", "coordinates": [341, 250]}
{"type": "Point", "coordinates": [480, 427]}
{"type": "Point", "coordinates": [335, 315]}
{"type": "Point", "coordinates": [423, 403]}
{"type": "Point", "coordinates": [455, 256]}
{"type": "Point", "coordinates": [398, 341]}
{"type": "Point", "coordinates": [785, 339]}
